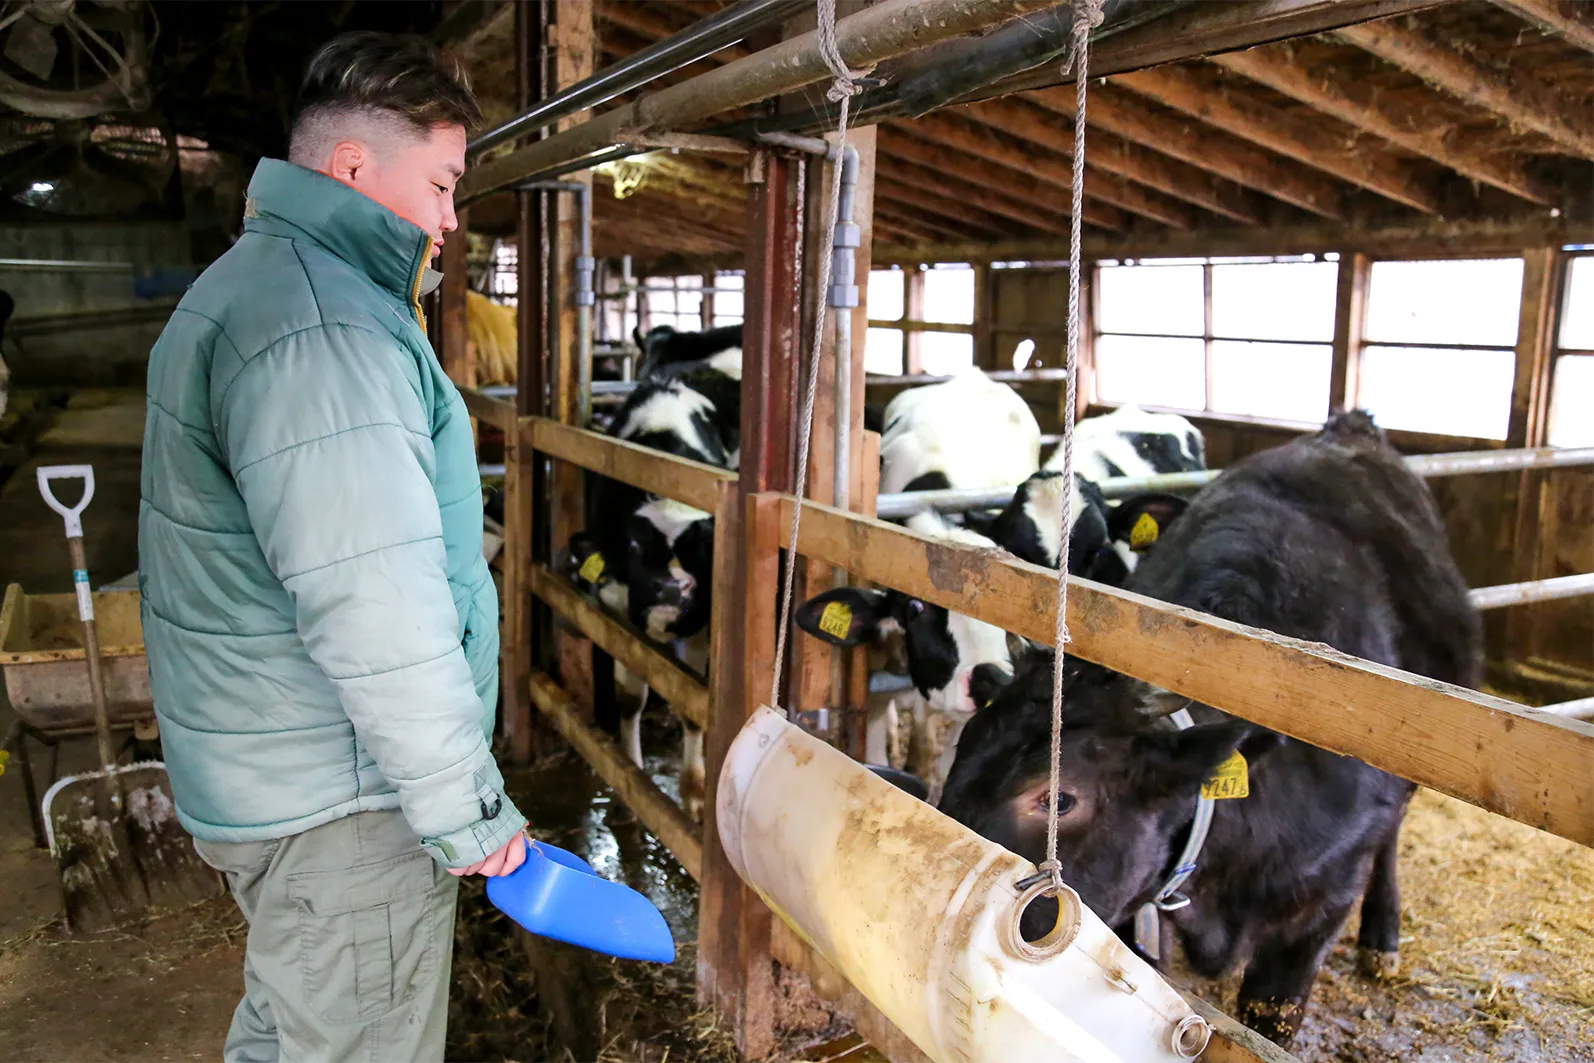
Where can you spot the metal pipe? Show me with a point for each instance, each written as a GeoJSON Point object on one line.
{"type": "Point", "coordinates": [492, 470]}
{"type": "Point", "coordinates": [1539, 590]}
{"type": "Point", "coordinates": [1581, 709]}
{"type": "Point", "coordinates": [1003, 376]}
{"type": "Point", "coordinates": [64, 265]}
{"type": "Point", "coordinates": [882, 31]}
{"type": "Point", "coordinates": [843, 299]}
{"type": "Point", "coordinates": [955, 500]}
{"type": "Point", "coordinates": [720, 30]}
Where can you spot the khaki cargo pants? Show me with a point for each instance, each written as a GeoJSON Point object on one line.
{"type": "Point", "coordinates": [351, 935]}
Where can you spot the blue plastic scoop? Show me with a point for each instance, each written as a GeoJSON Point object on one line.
{"type": "Point", "coordinates": [557, 894]}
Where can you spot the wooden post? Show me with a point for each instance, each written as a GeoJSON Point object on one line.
{"type": "Point", "coordinates": [1350, 310]}
{"type": "Point", "coordinates": [455, 353]}
{"type": "Point", "coordinates": [734, 967]}
{"type": "Point", "coordinates": [913, 310]}
{"type": "Point", "coordinates": [1085, 384]}
{"type": "Point", "coordinates": [520, 467]}
{"type": "Point", "coordinates": [985, 353]}
{"type": "Point", "coordinates": [706, 310]}
{"type": "Point", "coordinates": [572, 42]}
{"type": "Point", "coordinates": [1542, 276]}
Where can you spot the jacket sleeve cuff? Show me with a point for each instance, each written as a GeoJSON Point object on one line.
{"type": "Point", "coordinates": [499, 822]}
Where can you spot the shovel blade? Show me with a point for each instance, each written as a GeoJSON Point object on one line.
{"type": "Point", "coordinates": [119, 849]}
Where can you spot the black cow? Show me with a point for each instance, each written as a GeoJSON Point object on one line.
{"type": "Point", "coordinates": [1330, 539]}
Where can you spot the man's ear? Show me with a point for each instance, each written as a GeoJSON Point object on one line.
{"type": "Point", "coordinates": [847, 616]}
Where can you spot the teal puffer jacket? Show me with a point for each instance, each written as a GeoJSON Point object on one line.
{"type": "Point", "coordinates": [322, 627]}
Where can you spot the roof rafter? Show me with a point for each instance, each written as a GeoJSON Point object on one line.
{"type": "Point", "coordinates": [905, 162]}
{"type": "Point", "coordinates": [1515, 96]}
{"type": "Point", "coordinates": [1119, 112]}
{"type": "Point", "coordinates": [1027, 123]}
{"type": "Point", "coordinates": [1571, 19]}
{"type": "Point", "coordinates": [1283, 133]}
{"type": "Point", "coordinates": [1357, 105]}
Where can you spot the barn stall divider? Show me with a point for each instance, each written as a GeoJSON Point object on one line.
{"type": "Point", "coordinates": [1539, 768]}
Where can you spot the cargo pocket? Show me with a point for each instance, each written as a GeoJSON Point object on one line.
{"type": "Point", "coordinates": [367, 940]}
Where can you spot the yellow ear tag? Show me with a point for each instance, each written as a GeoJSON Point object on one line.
{"type": "Point", "coordinates": [1232, 779]}
{"type": "Point", "coordinates": [592, 568]}
{"type": "Point", "coordinates": [1144, 533]}
{"type": "Point", "coordinates": [836, 620]}
{"type": "Point", "coordinates": [5, 758]}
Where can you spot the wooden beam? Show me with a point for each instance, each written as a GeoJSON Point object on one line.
{"type": "Point", "coordinates": [1108, 154]}
{"type": "Point", "coordinates": [1571, 19]}
{"type": "Point", "coordinates": [687, 696]}
{"type": "Point", "coordinates": [1350, 312]}
{"type": "Point", "coordinates": [1515, 96]}
{"type": "Point", "coordinates": [1018, 119]}
{"type": "Point", "coordinates": [662, 817]}
{"type": "Point", "coordinates": [1530, 388]}
{"type": "Point", "coordinates": [501, 415]}
{"type": "Point", "coordinates": [943, 205]}
{"type": "Point", "coordinates": [1421, 235]}
{"type": "Point", "coordinates": [1358, 104]}
{"type": "Point", "coordinates": [454, 353]}
{"type": "Point", "coordinates": [1507, 758]}
{"type": "Point", "coordinates": [1285, 134]}
{"type": "Point", "coordinates": [909, 216]}
{"type": "Point", "coordinates": [1119, 112]}
{"type": "Point", "coordinates": [692, 482]}
{"type": "Point", "coordinates": [921, 166]}
{"type": "Point", "coordinates": [1006, 169]}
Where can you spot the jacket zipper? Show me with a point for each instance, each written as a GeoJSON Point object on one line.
{"type": "Point", "coordinates": [415, 289]}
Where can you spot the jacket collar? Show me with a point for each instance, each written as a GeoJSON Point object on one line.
{"type": "Point", "coordinates": [391, 250]}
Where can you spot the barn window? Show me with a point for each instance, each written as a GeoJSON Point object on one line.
{"type": "Point", "coordinates": [886, 300]}
{"type": "Point", "coordinates": [1572, 386]}
{"type": "Point", "coordinates": [1227, 335]}
{"type": "Point", "coordinates": [948, 300]}
{"type": "Point", "coordinates": [1440, 349]}
{"type": "Point", "coordinates": [728, 291]}
{"type": "Point", "coordinates": [675, 301]}
{"type": "Point", "coordinates": [503, 273]}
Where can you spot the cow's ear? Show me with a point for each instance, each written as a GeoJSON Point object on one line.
{"type": "Point", "coordinates": [587, 563]}
{"type": "Point", "coordinates": [1143, 519]}
{"type": "Point", "coordinates": [847, 616]}
{"type": "Point", "coordinates": [639, 339]}
{"type": "Point", "coordinates": [1178, 764]}
{"type": "Point", "coordinates": [986, 683]}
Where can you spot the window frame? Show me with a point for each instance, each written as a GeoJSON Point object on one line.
{"type": "Point", "coordinates": [1557, 351]}
{"type": "Point", "coordinates": [912, 325]}
{"type": "Point", "coordinates": [1207, 337]}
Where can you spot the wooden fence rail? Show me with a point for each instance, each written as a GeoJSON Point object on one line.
{"type": "Point", "coordinates": [1530, 766]}
{"type": "Point", "coordinates": [691, 482]}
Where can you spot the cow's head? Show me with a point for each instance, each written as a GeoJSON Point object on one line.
{"type": "Point", "coordinates": [663, 582]}
{"type": "Point", "coordinates": [1131, 441]}
{"type": "Point", "coordinates": [1106, 542]}
{"type": "Point", "coordinates": [1129, 779]}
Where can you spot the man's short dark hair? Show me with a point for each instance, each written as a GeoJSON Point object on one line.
{"type": "Point", "coordinates": [402, 78]}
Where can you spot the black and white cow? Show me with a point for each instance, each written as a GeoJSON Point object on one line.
{"type": "Point", "coordinates": [1330, 539]}
{"type": "Point", "coordinates": [650, 559]}
{"type": "Point", "coordinates": [663, 346]}
{"type": "Point", "coordinates": [1133, 442]}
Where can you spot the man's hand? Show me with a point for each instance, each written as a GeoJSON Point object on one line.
{"type": "Point", "coordinates": [505, 860]}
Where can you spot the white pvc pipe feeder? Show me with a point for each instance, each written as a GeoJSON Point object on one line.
{"type": "Point", "coordinates": [921, 915]}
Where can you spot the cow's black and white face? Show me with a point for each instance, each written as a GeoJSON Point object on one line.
{"type": "Point", "coordinates": [662, 584]}
{"type": "Point", "coordinates": [1132, 442]}
{"type": "Point", "coordinates": [943, 648]}
{"type": "Point", "coordinates": [1031, 527]}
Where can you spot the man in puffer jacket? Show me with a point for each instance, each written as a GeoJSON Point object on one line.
{"type": "Point", "coordinates": [321, 625]}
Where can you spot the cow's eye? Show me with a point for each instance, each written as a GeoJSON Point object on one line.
{"type": "Point", "coordinates": [1065, 802]}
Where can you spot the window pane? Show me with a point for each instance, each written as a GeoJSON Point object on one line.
{"type": "Point", "coordinates": [1572, 401]}
{"type": "Point", "coordinates": [885, 294]}
{"type": "Point", "coordinates": [1577, 313]}
{"type": "Point", "coordinates": [727, 305]}
{"type": "Point", "coordinates": [1152, 371]}
{"type": "Point", "coordinates": [1453, 392]}
{"type": "Point", "coordinates": [1158, 299]}
{"type": "Point", "coordinates": [945, 352]}
{"type": "Point", "coordinates": [1274, 301]}
{"type": "Point", "coordinates": [882, 352]}
{"type": "Point", "coordinates": [1458, 301]}
{"type": "Point", "coordinates": [1284, 380]}
{"type": "Point", "coordinates": [949, 298]}
{"type": "Point", "coordinates": [689, 308]}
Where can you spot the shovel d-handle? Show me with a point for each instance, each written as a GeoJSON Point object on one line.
{"type": "Point", "coordinates": [73, 518]}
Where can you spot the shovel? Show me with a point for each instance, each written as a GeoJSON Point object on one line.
{"type": "Point", "coordinates": [113, 833]}
{"type": "Point", "coordinates": [557, 894]}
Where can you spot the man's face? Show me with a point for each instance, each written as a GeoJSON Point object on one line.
{"type": "Point", "coordinates": [414, 177]}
